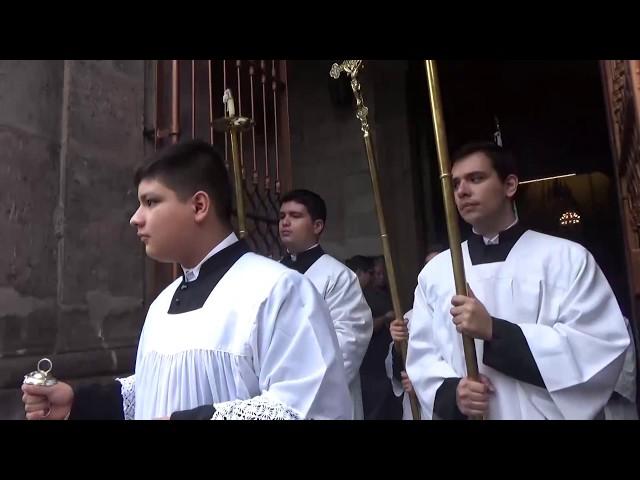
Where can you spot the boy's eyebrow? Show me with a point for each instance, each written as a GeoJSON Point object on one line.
{"type": "Point", "coordinates": [146, 195]}
{"type": "Point", "coordinates": [475, 172]}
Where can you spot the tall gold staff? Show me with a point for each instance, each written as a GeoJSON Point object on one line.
{"type": "Point", "coordinates": [352, 68]}
{"type": "Point", "coordinates": [449, 206]}
{"type": "Point", "coordinates": [233, 124]}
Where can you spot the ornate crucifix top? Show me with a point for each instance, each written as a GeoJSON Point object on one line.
{"type": "Point", "coordinates": [352, 68]}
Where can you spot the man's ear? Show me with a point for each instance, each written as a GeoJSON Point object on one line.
{"type": "Point", "coordinates": [318, 226]}
{"type": "Point", "coordinates": [511, 186]}
{"type": "Point", "coordinates": [201, 204]}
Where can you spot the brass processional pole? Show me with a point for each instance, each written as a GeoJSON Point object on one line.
{"type": "Point", "coordinates": [352, 68]}
{"type": "Point", "coordinates": [451, 213]}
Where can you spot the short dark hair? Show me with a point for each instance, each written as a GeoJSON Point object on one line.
{"type": "Point", "coordinates": [502, 160]}
{"type": "Point", "coordinates": [312, 201]}
{"type": "Point", "coordinates": [359, 263]}
{"type": "Point", "coordinates": [378, 259]}
{"type": "Point", "coordinates": [188, 167]}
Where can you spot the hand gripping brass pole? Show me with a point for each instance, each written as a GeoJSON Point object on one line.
{"type": "Point", "coordinates": [451, 213]}
{"type": "Point", "coordinates": [352, 68]}
{"type": "Point", "coordinates": [233, 124]}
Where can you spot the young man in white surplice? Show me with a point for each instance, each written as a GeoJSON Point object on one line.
{"type": "Point", "coordinates": [237, 336]}
{"type": "Point", "coordinates": [549, 334]}
{"type": "Point", "coordinates": [303, 214]}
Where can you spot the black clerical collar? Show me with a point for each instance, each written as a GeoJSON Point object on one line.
{"type": "Point", "coordinates": [480, 253]}
{"type": "Point", "coordinates": [191, 296]}
{"type": "Point", "coordinates": [190, 274]}
{"type": "Point", "coordinates": [303, 260]}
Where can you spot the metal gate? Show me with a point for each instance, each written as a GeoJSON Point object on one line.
{"type": "Point", "coordinates": [188, 97]}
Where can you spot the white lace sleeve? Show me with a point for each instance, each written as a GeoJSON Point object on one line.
{"type": "Point", "coordinates": [257, 408]}
{"type": "Point", "coordinates": [128, 396]}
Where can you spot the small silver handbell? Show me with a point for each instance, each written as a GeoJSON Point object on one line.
{"type": "Point", "coordinates": [41, 376]}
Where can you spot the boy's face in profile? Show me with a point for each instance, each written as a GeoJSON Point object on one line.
{"type": "Point", "coordinates": [164, 222]}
